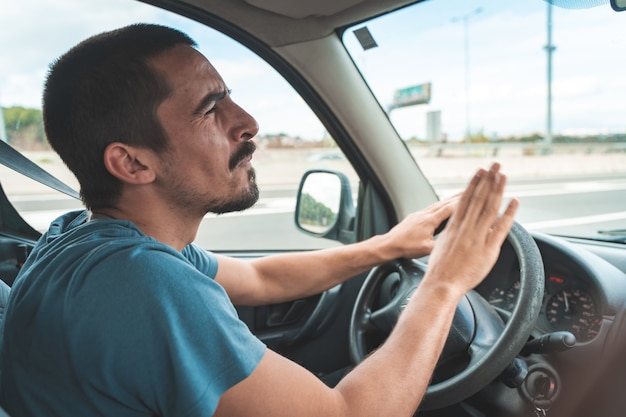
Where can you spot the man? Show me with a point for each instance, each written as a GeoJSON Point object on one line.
{"type": "Point", "coordinates": [116, 312]}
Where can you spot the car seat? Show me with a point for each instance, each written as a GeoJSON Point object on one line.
{"type": "Point", "coordinates": [4, 299]}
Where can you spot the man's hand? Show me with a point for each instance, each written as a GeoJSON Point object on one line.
{"type": "Point", "coordinates": [414, 236]}
{"type": "Point", "coordinates": [469, 246]}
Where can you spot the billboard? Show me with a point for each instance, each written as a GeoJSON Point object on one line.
{"type": "Point", "coordinates": [409, 96]}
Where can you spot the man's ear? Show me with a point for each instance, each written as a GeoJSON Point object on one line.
{"type": "Point", "coordinates": [129, 164]}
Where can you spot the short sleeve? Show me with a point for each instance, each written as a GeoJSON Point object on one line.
{"type": "Point", "coordinates": [204, 261]}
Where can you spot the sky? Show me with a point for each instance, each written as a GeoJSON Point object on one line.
{"type": "Point", "coordinates": [36, 40]}
{"type": "Point", "coordinates": [507, 73]}
{"type": "Point", "coordinates": [507, 88]}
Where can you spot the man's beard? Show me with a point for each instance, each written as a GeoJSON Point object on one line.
{"type": "Point", "coordinates": [250, 195]}
{"type": "Point", "coordinates": [238, 203]}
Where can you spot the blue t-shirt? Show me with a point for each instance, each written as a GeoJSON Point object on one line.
{"type": "Point", "coordinates": [106, 321]}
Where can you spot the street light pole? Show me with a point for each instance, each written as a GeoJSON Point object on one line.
{"type": "Point", "coordinates": [549, 50]}
{"type": "Point", "coordinates": [466, 44]}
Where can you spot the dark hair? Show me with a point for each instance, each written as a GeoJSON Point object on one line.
{"type": "Point", "coordinates": [104, 90]}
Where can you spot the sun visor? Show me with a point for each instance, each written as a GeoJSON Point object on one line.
{"type": "Point", "coordinates": [300, 10]}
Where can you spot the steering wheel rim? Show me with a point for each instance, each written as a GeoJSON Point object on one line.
{"type": "Point", "coordinates": [494, 344]}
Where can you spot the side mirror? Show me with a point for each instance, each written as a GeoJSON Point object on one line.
{"type": "Point", "coordinates": [618, 5]}
{"type": "Point", "coordinates": [324, 206]}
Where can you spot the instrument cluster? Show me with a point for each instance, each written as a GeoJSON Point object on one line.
{"type": "Point", "coordinates": [569, 303]}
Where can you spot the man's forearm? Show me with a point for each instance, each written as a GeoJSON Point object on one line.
{"type": "Point", "coordinates": [402, 367]}
{"type": "Point", "coordinates": [297, 275]}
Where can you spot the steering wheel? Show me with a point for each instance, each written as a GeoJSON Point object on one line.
{"type": "Point", "coordinates": [480, 344]}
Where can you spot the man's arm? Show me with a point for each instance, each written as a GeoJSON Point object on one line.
{"type": "Point", "coordinates": [392, 381]}
{"type": "Point", "coordinates": [290, 276]}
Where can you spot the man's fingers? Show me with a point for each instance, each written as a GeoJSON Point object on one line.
{"type": "Point", "coordinates": [487, 197]}
{"type": "Point", "coordinates": [466, 198]}
{"type": "Point", "coordinates": [502, 226]}
{"type": "Point", "coordinates": [444, 209]}
{"type": "Point", "coordinates": [446, 204]}
{"type": "Point", "coordinates": [481, 200]}
{"type": "Point", "coordinates": [478, 210]}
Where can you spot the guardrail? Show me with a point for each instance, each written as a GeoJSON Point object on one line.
{"type": "Point", "coordinates": [525, 148]}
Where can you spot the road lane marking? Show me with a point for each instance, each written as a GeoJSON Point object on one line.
{"type": "Point", "coordinates": [547, 189]}
{"type": "Point", "coordinates": [574, 221]}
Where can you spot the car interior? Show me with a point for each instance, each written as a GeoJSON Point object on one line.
{"type": "Point", "coordinates": [371, 110]}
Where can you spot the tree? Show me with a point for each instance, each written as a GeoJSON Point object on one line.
{"type": "Point", "coordinates": [24, 128]}
{"type": "Point", "coordinates": [315, 214]}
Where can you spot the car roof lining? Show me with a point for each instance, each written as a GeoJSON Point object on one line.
{"type": "Point", "coordinates": [286, 22]}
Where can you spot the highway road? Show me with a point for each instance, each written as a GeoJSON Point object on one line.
{"type": "Point", "coordinates": [578, 205]}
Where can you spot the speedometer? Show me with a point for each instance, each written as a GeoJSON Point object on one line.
{"type": "Point", "coordinates": [574, 310]}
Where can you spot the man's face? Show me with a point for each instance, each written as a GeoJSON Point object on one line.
{"type": "Point", "coordinates": [208, 167]}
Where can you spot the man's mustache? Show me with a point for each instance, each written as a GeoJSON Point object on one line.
{"type": "Point", "coordinates": [246, 149]}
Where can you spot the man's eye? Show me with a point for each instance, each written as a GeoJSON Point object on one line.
{"type": "Point", "coordinates": [211, 110]}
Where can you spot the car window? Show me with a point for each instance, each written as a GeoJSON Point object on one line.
{"type": "Point", "coordinates": [536, 87]}
{"type": "Point", "coordinates": [291, 139]}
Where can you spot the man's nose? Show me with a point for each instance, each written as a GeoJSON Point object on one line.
{"type": "Point", "coordinates": [247, 125]}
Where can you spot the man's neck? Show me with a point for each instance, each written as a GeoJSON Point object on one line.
{"type": "Point", "coordinates": [166, 226]}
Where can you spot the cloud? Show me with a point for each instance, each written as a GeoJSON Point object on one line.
{"type": "Point", "coordinates": [34, 33]}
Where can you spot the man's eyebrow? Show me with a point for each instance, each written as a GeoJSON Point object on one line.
{"type": "Point", "coordinates": [210, 98]}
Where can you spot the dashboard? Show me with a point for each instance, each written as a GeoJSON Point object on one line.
{"type": "Point", "coordinates": [577, 293]}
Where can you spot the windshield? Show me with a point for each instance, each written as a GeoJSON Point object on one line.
{"type": "Point", "coordinates": [536, 87]}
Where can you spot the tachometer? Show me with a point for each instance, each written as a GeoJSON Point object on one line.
{"type": "Point", "coordinates": [574, 310]}
{"type": "Point", "coordinates": [504, 298]}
